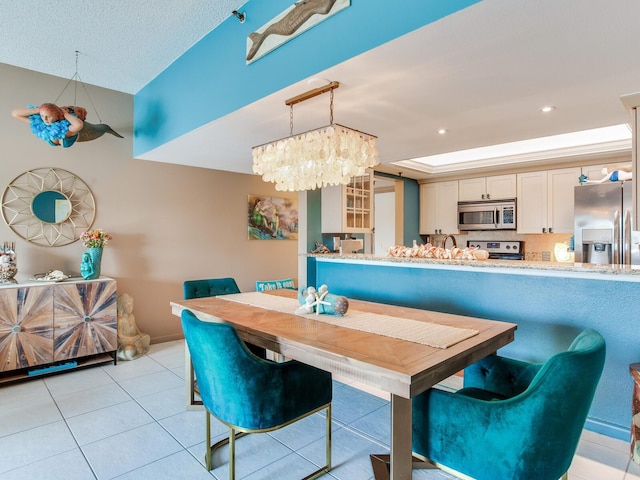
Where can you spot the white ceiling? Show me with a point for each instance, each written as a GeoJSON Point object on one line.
{"type": "Point", "coordinates": [482, 73]}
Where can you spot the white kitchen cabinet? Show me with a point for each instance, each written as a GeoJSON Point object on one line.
{"type": "Point", "coordinates": [439, 208]}
{"type": "Point", "coordinates": [496, 187]}
{"type": "Point", "coordinates": [348, 208]}
{"type": "Point", "coordinates": [545, 200]}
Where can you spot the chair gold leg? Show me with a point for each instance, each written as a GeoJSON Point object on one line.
{"type": "Point", "coordinates": [232, 454]}
{"type": "Point", "coordinates": [322, 470]}
{"type": "Point", "coordinates": [328, 441]}
{"type": "Point", "coordinates": [207, 455]}
{"type": "Point", "coordinates": [565, 476]}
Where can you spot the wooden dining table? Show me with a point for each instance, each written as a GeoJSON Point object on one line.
{"type": "Point", "coordinates": [401, 367]}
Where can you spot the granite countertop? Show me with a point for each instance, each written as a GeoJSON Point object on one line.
{"type": "Point", "coordinates": [582, 268]}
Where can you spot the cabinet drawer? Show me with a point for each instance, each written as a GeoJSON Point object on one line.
{"type": "Point", "coordinates": [85, 319]}
{"type": "Point", "coordinates": [26, 330]}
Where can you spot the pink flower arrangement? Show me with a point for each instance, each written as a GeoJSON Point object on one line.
{"type": "Point", "coordinates": [95, 238]}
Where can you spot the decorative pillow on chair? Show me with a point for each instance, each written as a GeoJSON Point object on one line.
{"type": "Point", "coordinates": [261, 286]}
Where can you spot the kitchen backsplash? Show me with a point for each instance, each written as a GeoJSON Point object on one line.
{"type": "Point", "coordinates": [537, 248]}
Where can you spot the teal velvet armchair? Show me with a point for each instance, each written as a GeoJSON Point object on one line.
{"type": "Point", "coordinates": [250, 394]}
{"type": "Point", "coordinates": [512, 420]}
{"type": "Point", "coordinates": [209, 287]}
{"type": "Point", "coordinates": [214, 287]}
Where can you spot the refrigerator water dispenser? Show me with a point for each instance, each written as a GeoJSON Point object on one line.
{"type": "Point", "coordinates": [596, 246]}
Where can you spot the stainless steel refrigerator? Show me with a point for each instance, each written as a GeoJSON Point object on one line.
{"type": "Point", "coordinates": [604, 231]}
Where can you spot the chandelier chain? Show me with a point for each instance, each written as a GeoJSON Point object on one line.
{"type": "Point", "coordinates": [331, 107]}
{"type": "Point", "coordinates": [291, 120]}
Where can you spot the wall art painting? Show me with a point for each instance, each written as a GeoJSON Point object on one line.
{"type": "Point", "coordinates": [296, 19]}
{"type": "Point", "coordinates": [272, 218]}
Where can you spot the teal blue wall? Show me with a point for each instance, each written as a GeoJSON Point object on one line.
{"type": "Point", "coordinates": [212, 79]}
{"type": "Point", "coordinates": [549, 311]}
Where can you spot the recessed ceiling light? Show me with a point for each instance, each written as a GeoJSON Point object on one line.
{"type": "Point", "coordinates": [442, 131]}
{"type": "Point", "coordinates": [547, 109]}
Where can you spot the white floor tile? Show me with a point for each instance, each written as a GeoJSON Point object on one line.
{"type": "Point", "coordinates": [291, 467]}
{"type": "Point", "coordinates": [303, 432]}
{"type": "Point", "coordinates": [18, 393]}
{"type": "Point", "coordinates": [96, 398]}
{"type": "Point", "coordinates": [253, 453]}
{"type": "Point", "coordinates": [69, 465]}
{"type": "Point", "coordinates": [164, 404]}
{"type": "Point", "coordinates": [77, 380]}
{"type": "Point", "coordinates": [180, 465]}
{"type": "Point", "coordinates": [122, 453]}
{"type": "Point", "coordinates": [169, 354]}
{"type": "Point", "coordinates": [27, 411]}
{"type": "Point", "coordinates": [135, 368]}
{"type": "Point", "coordinates": [29, 446]}
{"type": "Point", "coordinates": [188, 428]}
{"type": "Point", "coordinates": [152, 383]}
{"type": "Point", "coordinates": [93, 426]}
{"type": "Point", "coordinates": [350, 455]}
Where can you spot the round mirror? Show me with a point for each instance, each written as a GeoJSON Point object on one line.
{"type": "Point", "coordinates": [51, 206]}
{"type": "Point", "coordinates": [48, 206]}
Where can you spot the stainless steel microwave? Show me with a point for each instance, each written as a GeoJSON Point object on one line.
{"type": "Point", "coordinates": [487, 215]}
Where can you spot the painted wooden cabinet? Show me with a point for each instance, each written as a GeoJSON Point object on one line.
{"type": "Point", "coordinates": [43, 324]}
{"type": "Point", "coordinates": [439, 208]}
{"type": "Point", "coordinates": [348, 208]}
{"type": "Point", "coordinates": [496, 187]}
{"type": "Point", "coordinates": [545, 201]}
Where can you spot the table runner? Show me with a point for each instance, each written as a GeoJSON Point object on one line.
{"type": "Point", "coordinates": [425, 333]}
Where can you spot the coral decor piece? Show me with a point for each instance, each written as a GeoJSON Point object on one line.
{"type": "Point", "coordinates": [8, 266]}
{"type": "Point", "coordinates": [321, 301]}
{"type": "Point", "coordinates": [429, 251]}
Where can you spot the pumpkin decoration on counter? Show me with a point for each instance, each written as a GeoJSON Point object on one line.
{"type": "Point", "coordinates": [429, 251]}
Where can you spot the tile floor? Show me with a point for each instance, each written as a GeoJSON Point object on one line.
{"type": "Point", "coordinates": [128, 421]}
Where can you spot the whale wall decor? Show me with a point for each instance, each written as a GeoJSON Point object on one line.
{"type": "Point", "coordinates": [296, 19]}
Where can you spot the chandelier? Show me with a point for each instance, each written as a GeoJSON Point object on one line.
{"type": "Point", "coordinates": [330, 155]}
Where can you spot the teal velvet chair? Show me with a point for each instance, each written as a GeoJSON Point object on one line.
{"type": "Point", "coordinates": [213, 287]}
{"type": "Point", "coordinates": [210, 287]}
{"type": "Point", "coordinates": [512, 420]}
{"type": "Point", "coordinates": [250, 394]}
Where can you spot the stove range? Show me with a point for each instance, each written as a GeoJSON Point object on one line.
{"type": "Point", "coordinates": [500, 250]}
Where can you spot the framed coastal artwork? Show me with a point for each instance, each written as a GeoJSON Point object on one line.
{"type": "Point", "coordinates": [272, 218]}
{"type": "Point", "coordinates": [296, 19]}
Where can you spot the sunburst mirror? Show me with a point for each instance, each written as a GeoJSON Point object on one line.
{"type": "Point", "coordinates": [48, 206]}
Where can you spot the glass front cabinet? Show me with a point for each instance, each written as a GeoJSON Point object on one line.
{"type": "Point", "coordinates": [348, 208]}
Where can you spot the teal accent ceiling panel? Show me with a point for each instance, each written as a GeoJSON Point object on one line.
{"type": "Point", "coordinates": [212, 79]}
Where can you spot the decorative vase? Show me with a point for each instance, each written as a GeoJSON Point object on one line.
{"type": "Point", "coordinates": [90, 266]}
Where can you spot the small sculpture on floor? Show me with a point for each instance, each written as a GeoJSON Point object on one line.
{"type": "Point", "coordinates": [131, 342]}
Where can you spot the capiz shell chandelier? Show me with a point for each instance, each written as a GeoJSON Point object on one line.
{"type": "Point", "coordinates": [330, 155]}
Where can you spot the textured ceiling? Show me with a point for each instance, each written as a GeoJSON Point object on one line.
{"type": "Point", "coordinates": [482, 73]}
{"type": "Point", "coordinates": [122, 44]}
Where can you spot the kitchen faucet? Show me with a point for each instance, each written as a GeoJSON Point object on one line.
{"type": "Point", "coordinates": [453, 239]}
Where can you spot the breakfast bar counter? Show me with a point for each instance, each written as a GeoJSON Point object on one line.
{"type": "Point", "coordinates": [550, 302]}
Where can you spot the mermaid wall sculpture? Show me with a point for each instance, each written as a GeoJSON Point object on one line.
{"type": "Point", "coordinates": [61, 125]}
{"type": "Point", "coordinates": [290, 23]}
